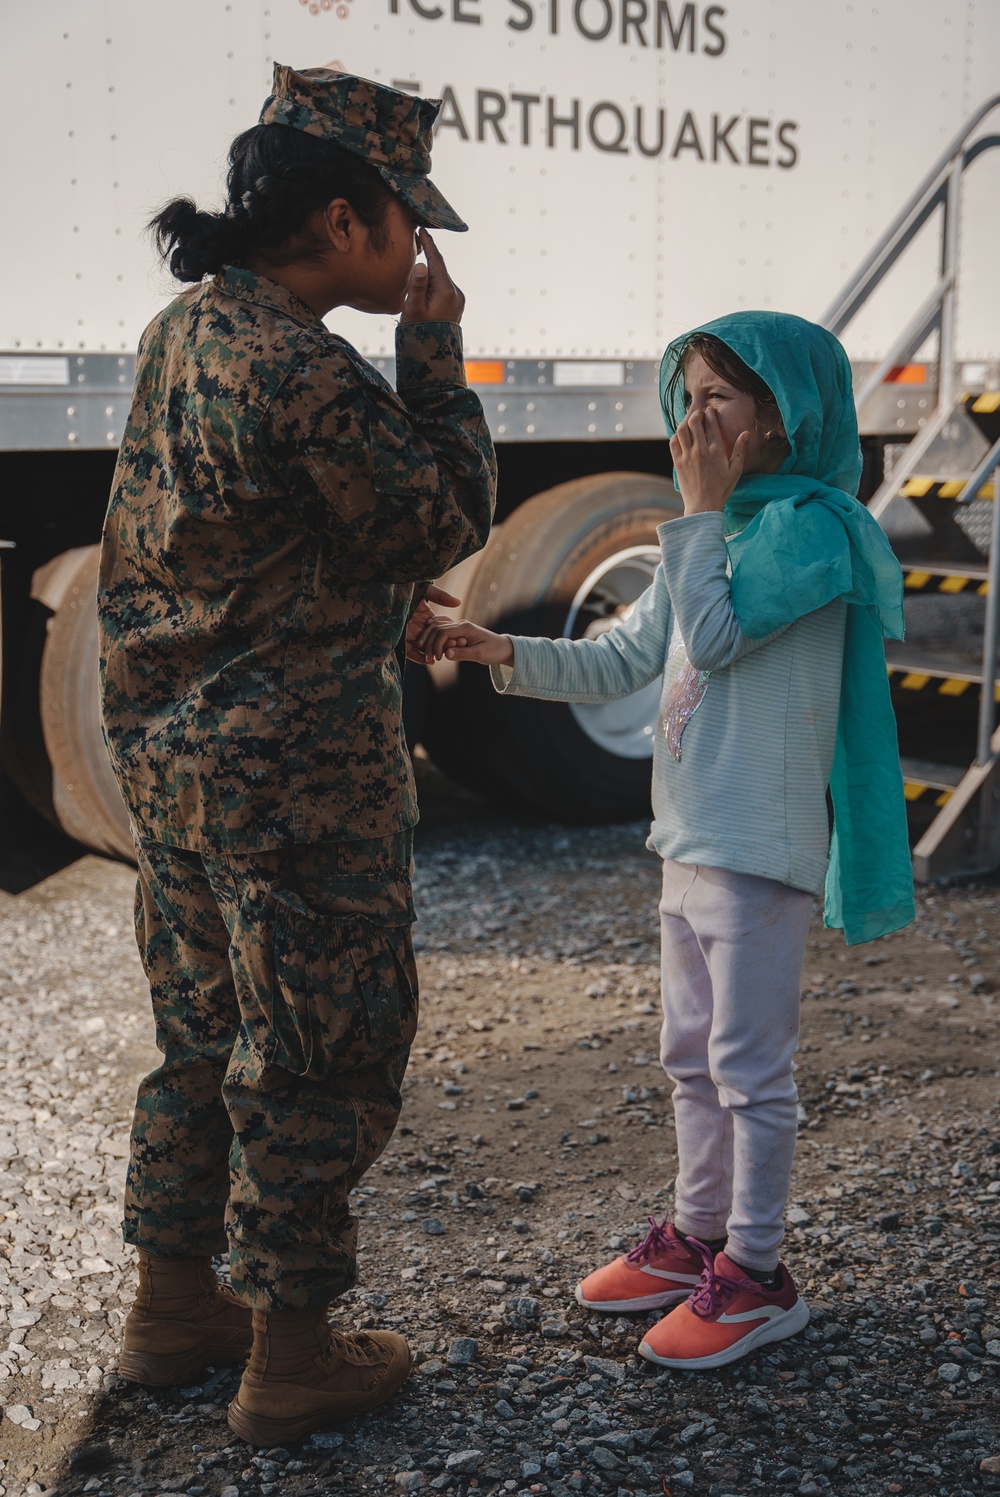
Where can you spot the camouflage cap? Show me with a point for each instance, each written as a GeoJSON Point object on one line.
{"type": "Point", "coordinates": [388, 129]}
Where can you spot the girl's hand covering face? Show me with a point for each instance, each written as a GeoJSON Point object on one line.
{"type": "Point", "coordinates": [707, 473]}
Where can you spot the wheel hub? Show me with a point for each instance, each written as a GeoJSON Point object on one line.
{"type": "Point", "coordinates": [604, 601]}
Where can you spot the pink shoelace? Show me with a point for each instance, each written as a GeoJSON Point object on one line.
{"type": "Point", "coordinates": [715, 1290]}
{"type": "Point", "coordinates": [660, 1238]}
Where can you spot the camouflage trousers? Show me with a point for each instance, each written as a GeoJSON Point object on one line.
{"type": "Point", "coordinates": [284, 992]}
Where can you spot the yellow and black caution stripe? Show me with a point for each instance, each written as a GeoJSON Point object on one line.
{"type": "Point", "coordinates": [984, 411]}
{"type": "Point", "coordinates": [915, 791]}
{"type": "Point", "coordinates": [941, 488]}
{"type": "Point", "coordinates": [944, 582]}
{"type": "Point", "coordinates": [936, 682]}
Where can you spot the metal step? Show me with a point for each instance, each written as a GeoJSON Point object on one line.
{"type": "Point", "coordinates": [964, 837]}
{"type": "Point", "coordinates": [922, 780]}
{"type": "Point", "coordinates": [947, 445]}
{"type": "Point", "coordinates": [941, 512]}
{"type": "Point", "coordinates": [945, 673]}
{"type": "Point", "coordinates": [938, 464]}
{"type": "Point", "coordinates": [951, 578]}
{"type": "Point", "coordinates": [937, 543]}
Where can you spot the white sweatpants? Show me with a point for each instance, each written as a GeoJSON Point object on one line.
{"type": "Point", "coordinates": [731, 955]}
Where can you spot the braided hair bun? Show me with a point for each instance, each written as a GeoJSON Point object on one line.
{"type": "Point", "coordinates": [277, 178]}
{"type": "Point", "coordinates": [193, 243]}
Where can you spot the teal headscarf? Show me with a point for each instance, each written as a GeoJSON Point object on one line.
{"type": "Point", "coordinates": [798, 539]}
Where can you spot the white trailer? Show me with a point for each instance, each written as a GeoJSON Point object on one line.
{"type": "Point", "coordinates": [629, 168]}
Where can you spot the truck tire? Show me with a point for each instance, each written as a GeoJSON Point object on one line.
{"type": "Point", "coordinates": [566, 563]}
{"type": "Point", "coordinates": [22, 744]}
{"type": "Point", "coordinates": [85, 794]}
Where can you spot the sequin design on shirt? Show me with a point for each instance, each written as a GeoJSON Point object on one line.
{"type": "Point", "coordinates": [683, 700]}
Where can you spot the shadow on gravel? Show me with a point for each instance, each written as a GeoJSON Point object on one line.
{"type": "Point", "coordinates": [30, 848]}
{"type": "Point", "coordinates": [139, 1439]}
{"type": "Point", "coordinates": [447, 809]}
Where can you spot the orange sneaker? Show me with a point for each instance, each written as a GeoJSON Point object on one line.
{"type": "Point", "coordinates": [728, 1316]}
{"type": "Point", "coordinates": [661, 1270]}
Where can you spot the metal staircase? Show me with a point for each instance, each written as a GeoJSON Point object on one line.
{"type": "Point", "coordinates": [939, 506]}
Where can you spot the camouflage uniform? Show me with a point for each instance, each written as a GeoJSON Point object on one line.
{"type": "Point", "coordinates": [274, 504]}
{"type": "Point", "coordinates": [285, 997]}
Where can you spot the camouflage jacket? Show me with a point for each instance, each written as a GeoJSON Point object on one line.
{"type": "Point", "coordinates": [273, 506]}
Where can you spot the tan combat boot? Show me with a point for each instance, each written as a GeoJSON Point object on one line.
{"type": "Point", "coordinates": [182, 1320]}
{"type": "Point", "coordinates": [303, 1375]}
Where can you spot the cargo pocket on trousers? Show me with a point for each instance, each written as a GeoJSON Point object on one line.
{"type": "Point", "coordinates": [344, 994]}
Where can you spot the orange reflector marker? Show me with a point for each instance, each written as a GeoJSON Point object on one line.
{"type": "Point", "coordinates": [907, 374]}
{"type": "Point", "coordinates": [484, 371]}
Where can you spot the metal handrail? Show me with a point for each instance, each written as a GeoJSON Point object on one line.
{"type": "Point", "coordinates": [991, 626]}
{"type": "Point", "coordinates": [991, 631]}
{"type": "Point", "coordinates": [902, 231]}
{"type": "Point", "coordinates": [986, 467]}
{"type": "Point", "coordinates": [921, 443]}
{"type": "Point", "coordinates": [940, 188]}
{"type": "Point", "coordinates": [920, 326]}
{"type": "Point", "coordinates": [909, 220]}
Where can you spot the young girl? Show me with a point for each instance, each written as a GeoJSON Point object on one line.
{"type": "Point", "coordinates": [766, 618]}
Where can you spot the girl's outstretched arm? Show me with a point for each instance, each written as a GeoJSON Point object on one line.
{"type": "Point", "coordinates": [617, 663]}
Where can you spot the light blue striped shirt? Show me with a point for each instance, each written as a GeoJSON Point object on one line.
{"type": "Point", "coordinates": [754, 720]}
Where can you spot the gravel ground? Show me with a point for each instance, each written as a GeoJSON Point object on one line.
{"type": "Point", "coordinates": [536, 1135]}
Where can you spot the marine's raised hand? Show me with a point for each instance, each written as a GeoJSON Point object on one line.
{"type": "Point", "coordinates": [431, 295]}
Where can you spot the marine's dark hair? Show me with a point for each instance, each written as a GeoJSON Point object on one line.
{"type": "Point", "coordinates": [277, 177]}
{"type": "Point", "coordinates": [722, 361]}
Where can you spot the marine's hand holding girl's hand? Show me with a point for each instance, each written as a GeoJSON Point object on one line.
{"type": "Point", "coordinates": [431, 294]}
{"type": "Point", "coordinates": [465, 641]}
{"type": "Point", "coordinates": [423, 615]}
{"type": "Point", "coordinates": [706, 473]}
